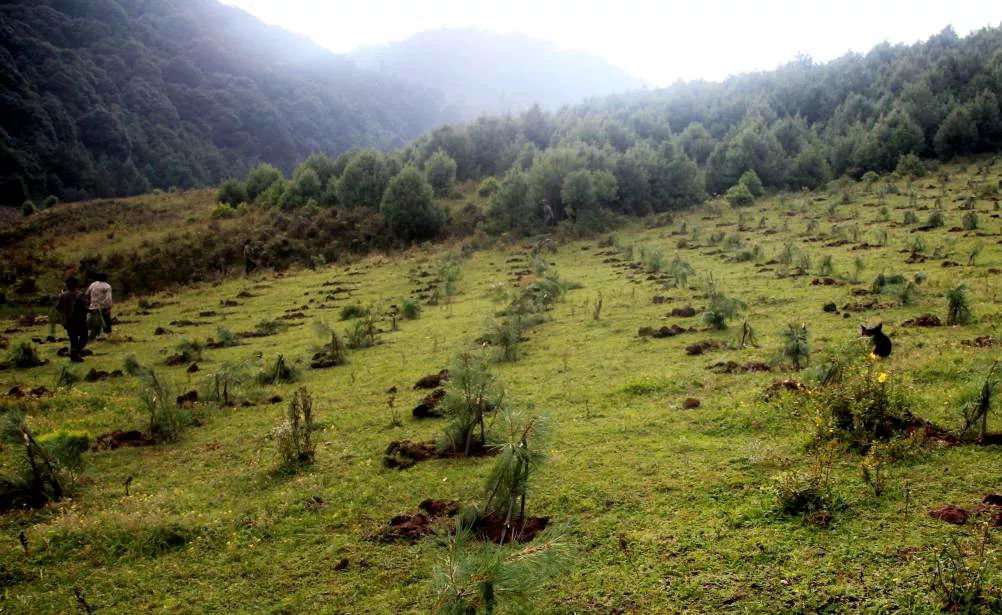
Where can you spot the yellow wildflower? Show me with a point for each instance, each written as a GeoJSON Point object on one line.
{"type": "Point", "coordinates": [873, 357]}
{"type": "Point", "coordinates": [882, 377]}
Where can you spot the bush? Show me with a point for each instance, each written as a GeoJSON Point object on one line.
{"type": "Point", "coordinates": [739, 195]}
{"type": "Point", "coordinates": [279, 372]}
{"type": "Point", "coordinates": [861, 407]}
{"type": "Point", "coordinates": [519, 455]}
{"type": "Point", "coordinates": [751, 181]}
{"type": "Point", "coordinates": [976, 405]}
{"type": "Point", "coordinates": [958, 310]}
{"type": "Point", "coordinates": [352, 310]}
{"type": "Point", "coordinates": [43, 466]}
{"type": "Point", "coordinates": [50, 201]}
{"type": "Point", "coordinates": [810, 495]}
{"type": "Point", "coordinates": [970, 221]}
{"type": "Point", "coordinates": [488, 187]}
{"type": "Point", "coordinates": [166, 420]}
{"type": "Point", "coordinates": [23, 355]}
{"type": "Point", "coordinates": [265, 328]}
{"type": "Point", "coordinates": [910, 165]}
{"type": "Point", "coordinates": [409, 207]}
{"type": "Point", "coordinates": [189, 350]}
{"type": "Point", "coordinates": [472, 392]}
{"type": "Point", "coordinates": [231, 192]}
{"type": "Point", "coordinates": [28, 208]}
{"type": "Point", "coordinates": [935, 219]}
{"type": "Point", "coordinates": [721, 309]}
{"type": "Point", "coordinates": [440, 170]}
{"type": "Point", "coordinates": [225, 338]}
{"type": "Point", "coordinates": [294, 435]}
{"type": "Point", "coordinates": [796, 347]}
{"type": "Point", "coordinates": [221, 385]}
{"type": "Point", "coordinates": [410, 309]}
{"type": "Point", "coordinates": [910, 217]}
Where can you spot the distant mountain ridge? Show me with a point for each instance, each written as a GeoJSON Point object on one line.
{"type": "Point", "coordinates": [482, 72]}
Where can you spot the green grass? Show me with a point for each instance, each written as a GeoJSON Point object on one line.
{"type": "Point", "coordinates": [669, 510]}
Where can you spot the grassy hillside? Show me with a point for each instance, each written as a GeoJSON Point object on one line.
{"type": "Point", "coordinates": [669, 509]}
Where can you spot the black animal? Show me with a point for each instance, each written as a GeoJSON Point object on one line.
{"type": "Point", "coordinates": [881, 343]}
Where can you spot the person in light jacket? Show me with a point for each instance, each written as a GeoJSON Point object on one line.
{"type": "Point", "coordinates": [99, 294]}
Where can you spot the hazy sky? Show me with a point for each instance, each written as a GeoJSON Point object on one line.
{"type": "Point", "coordinates": [659, 42]}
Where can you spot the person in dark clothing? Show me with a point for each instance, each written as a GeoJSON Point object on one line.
{"type": "Point", "coordinates": [72, 306]}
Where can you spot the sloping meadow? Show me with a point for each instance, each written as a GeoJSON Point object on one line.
{"type": "Point", "coordinates": [665, 465]}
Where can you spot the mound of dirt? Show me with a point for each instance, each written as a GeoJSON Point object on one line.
{"type": "Point", "coordinates": [825, 282]}
{"type": "Point", "coordinates": [690, 403]}
{"type": "Point", "coordinates": [949, 514]}
{"type": "Point", "coordinates": [659, 299]}
{"type": "Point", "coordinates": [493, 528]}
{"type": "Point", "coordinates": [432, 381]}
{"type": "Point", "coordinates": [95, 375]}
{"type": "Point", "coordinates": [926, 320]}
{"type": "Point", "coordinates": [984, 341]}
{"type": "Point", "coordinates": [187, 399]}
{"type": "Point", "coordinates": [18, 393]}
{"type": "Point", "coordinates": [412, 527]}
{"type": "Point", "coordinates": [733, 367]}
{"type": "Point", "coordinates": [869, 305]}
{"type": "Point", "coordinates": [705, 346]}
{"type": "Point", "coordinates": [161, 331]}
{"type": "Point", "coordinates": [174, 360]}
{"type": "Point", "coordinates": [830, 308]}
{"type": "Point", "coordinates": [685, 312]}
{"type": "Point", "coordinates": [402, 454]}
{"type": "Point", "coordinates": [428, 408]}
{"type": "Point", "coordinates": [119, 439]}
{"type": "Point", "coordinates": [324, 360]}
{"type": "Point", "coordinates": [663, 332]}
{"type": "Point", "coordinates": [786, 385]}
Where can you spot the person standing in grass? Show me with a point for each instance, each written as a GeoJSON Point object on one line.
{"type": "Point", "coordinates": [99, 294]}
{"type": "Point", "coordinates": [72, 307]}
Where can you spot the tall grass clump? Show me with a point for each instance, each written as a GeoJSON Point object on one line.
{"type": "Point", "coordinates": [294, 434]}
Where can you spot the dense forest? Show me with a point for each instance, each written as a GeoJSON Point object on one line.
{"type": "Point", "coordinates": [116, 97]}
{"type": "Point", "coordinates": [797, 127]}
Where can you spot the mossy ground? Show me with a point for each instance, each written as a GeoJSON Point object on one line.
{"type": "Point", "coordinates": [669, 510]}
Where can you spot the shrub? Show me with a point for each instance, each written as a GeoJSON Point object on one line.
{"type": "Point", "coordinates": [440, 170]}
{"type": "Point", "coordinates": [959, 579]}
{"type": "Point", "coordinates": [739, 195]}
{"type": "Point", "coordinates": [488, 187]}
{"type": "Point", "coordinates": [28, 209]}
{"type": "Point", "coordinates": [294, 435]}
{"type": "Point", "coordinates": [224, 381]}
{"type": "Point", "coordinates": [504, 336]}
{"type": "Point", "coordinates": [23, 355]}
{"type": "Point", "coordinates": [910, 165]}
{"type": "Point", "coordinates": [333, 353]}
{"type": "Point", "coordinates": [278, 372]}
{"type": "Point", "coordinates": [40, 472]}
{"type": "Point", "coordinates": [825, 266]}
{"type": "Point", "coordinates": [231, 192]}
{"type": "Point", "coordinates": [269, 327]}
{"type": "Point", "coordinates": [410, 309]}
{"type": "Point", "coordinates": [970, 221]}
{"type": "Point", "coordinates": [958, 310]}
{"type": "Point", "coordinates": [519, 454]}
{"type": "Point", "coordinates": [810, 495]}
{"type": "Point", "coordinates": [352, 310]}
{"type": "Point", "coordinates": [189, 350]}
{"type": "Point", "coordinates": [721, 309]}
{"type": "Point", "coordinates": [935, 219]}
{"type": "Point", "coordinates": [363, 333]}
{"type": "Point", "coordinates": [977, 404]}
{"type": "Point", "coordinates": [796, 347]}
{"type": "Point", "coordinates": [485, 577]}
{"type": "Point", "coordinates": [409, 208]}
{"type": "Point", "coordinates": [156, 395]}
{"type": "Point", "coordinates": [225, 338]}
{"type": "Point", "coordinates": [471, 393]}
{"type": "Point", "coordinates": [67, 377]}
{"type": "Point", "coordinates": [750, 180]}
{"type": "Point", "coordinates": [862, 407]}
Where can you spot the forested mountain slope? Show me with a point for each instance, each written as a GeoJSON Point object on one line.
{"type": "Point", "coordinates": [115, 97]}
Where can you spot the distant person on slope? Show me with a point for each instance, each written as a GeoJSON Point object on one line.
{"type": "Point", "coordinates": [72, 307]}
{"type": "Point", "coordinates": [99, 294]}
{"type": "Point", "coordinates": [547, 213]}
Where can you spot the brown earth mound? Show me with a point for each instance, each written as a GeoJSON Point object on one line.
{"type": "Point", "coordinates": [690, 403]}
{"type": "Point", "coordinates": [412, 527]}
{"type": "Point", "coordinates": [733, 367]}
{"type": "Point", "coordinates": [705, 346]}
{"type": "Point", "coordinates": [950, 514]}
{"type": "Point", "coordinates": [428, 408]}
{"type": "Point", "coordinates": [663, 332]}
{"type": "Point", "coordinates": [402, 454]}
{"type": "Point", "coordinates": [781, 386]}
{"type": "Point", "coordinates": [119, 439]}
{"type": "Point", "coordinates": [984, 341]}
{"type": "Point", "coordinates": [493, 528]}
{"type": "Point", "coordinates": [926, 320]}
{"type": "Point", "coordinates": [685, 312]}
{"type": "Point", "coordinates": [432, 381]}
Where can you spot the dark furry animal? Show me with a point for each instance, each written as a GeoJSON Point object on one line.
{"type": "Point", "coordinates": [881, 343]}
